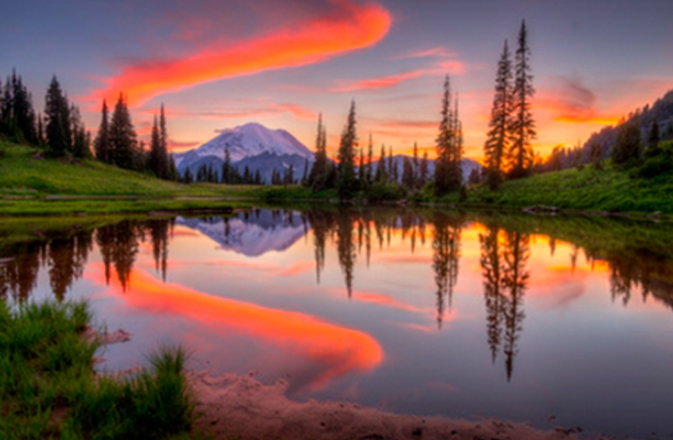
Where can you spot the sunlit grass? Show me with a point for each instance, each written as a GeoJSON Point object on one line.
{"type": "Point", "coordinates": [585, 189]}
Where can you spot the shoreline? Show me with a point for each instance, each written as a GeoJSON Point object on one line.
{"type": "Point", "coordinates": [92, 205]}
{"type": "Point", "coordinates": [239, 406]}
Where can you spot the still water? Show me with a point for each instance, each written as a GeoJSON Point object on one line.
{"type": "Point", "coordinates": [414, 311]}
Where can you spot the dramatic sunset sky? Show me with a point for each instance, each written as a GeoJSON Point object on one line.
{"type": "Point", "coordinates": [220, 63]}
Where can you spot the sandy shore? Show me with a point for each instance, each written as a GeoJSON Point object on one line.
{"type": "Point", "coordinates": [240, 407]}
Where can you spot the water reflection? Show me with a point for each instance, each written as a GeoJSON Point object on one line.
{"type": "Point", "coordinates": [330, 351]}
{"type": "Point", "coordinates": [252, 233]}
{"type": "Point", "coordinates": [445, 258]}
{"type": "Point", "coordinates": [637, 255]}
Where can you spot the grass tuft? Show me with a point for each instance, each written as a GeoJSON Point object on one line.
{"type": "Point", "coordinates": [48, 388]}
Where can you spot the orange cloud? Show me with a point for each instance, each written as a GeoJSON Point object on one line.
{"type": "Point", "coordinates": [572, 102]}
{"type": "Point", "coordinates": [338, 350]}
{"type": "Point", "coordinates": [443, 67]}
{"type": "Point", "coordinates": [252, 110]}
{"type": "Point", "coordinates": [354, 27]}
{"type": "Point", "coordinates": [381, 82]}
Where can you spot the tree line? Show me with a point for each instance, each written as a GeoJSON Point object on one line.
{"type": "Point", "coordinates": [635, 145]}
{"type": "Point", "coordinates": [352, 171]}
{"type": "Point", "coordinates": [61, 133]}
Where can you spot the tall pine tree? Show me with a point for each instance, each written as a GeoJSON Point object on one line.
{"type": "Point", "coordinates": [318, 176]}
{"type": "Point", "coordinates": [448, 173]}
{"type": "Point", "coordinates": [500, 126]}
{"type": "Point", "coordinates": [123, 138]}
{"type": "Point", "coordinates": [57, 113]}
{"type": "Point", "coordinates": [155, 160]}
{"type": "Point", "coordinates": [523, 125]}
{"type": "Point", "coordinates": [346, 183]}
{"type": "Point", "coordinates": [163, 164]}
{"type": "Point", "coordinates": [102, 142]}
{"type": "Point", "coordinates": [80, 137]}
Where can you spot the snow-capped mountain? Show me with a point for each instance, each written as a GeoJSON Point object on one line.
{"type": "Point", "coordinates": [254, 233]}
{"type": "Point", "coordinates": [244, 141]}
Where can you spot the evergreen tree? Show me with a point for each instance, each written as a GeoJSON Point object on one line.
{"type": "Point", "coordinates": [653, 139]}
{"type": "Point", "coordinates": [41, 141]}
{"type": "Point", "coordinates": [226, 167]}
{"type": "Point", "coordinates": [391, 169]}
{"type": "Point", "coordinates": [347, 185]}
{"type": "Point", "coordinates": [318, 175]}
{"type": "Point", "coordinates": [415, 163]}
{"type": "Point", "coordinates": [370, 154]}
{"type": "Point", "coordinates": [57, 113]}
{"type": "Point", "coordinates": [123, 139]}
{"type": "Point", "coordinates": [381, 174]}
{"type": "Point", "coordinates": [448, 173]}
{"type": "Point", "coordinates": [155, 159]}
{"type": "Point", "coordinates": [17, 117]}
{"type": "Point", "coordinates": [172, 169]}
{"type": "Point", "coordinates": [6, 110]}
{"type": "Point", "coordinates": [80, 142]}
{"type": "Point", "coordinates": [628, 149]}
{"type": "Point", "coordinates": [474, 177]}
{"type": "Point", "coordinates": [332, 174]}
{"type": "Point", "coordinates": [408, 178]}
{"type": "Point", "coordinates": [304, 176]}
{"type": "Point", "coordinates": [362, 170]}
{"type": "Point", "coordinates": [162, 156]}
{"type": "Point", "coordinates": [258, 177]}
{"type": "Point", "coordinates": [394, 169]}
{"type": "Point", "coordinates": [523, 125]}
{"type": "Point", "coordinates": [102, 142]}
{"type": "Point", "coordinates": [187, 176]}
{"type": "Point", "coordinates": [499, 133]}
{"type": "Point", "coordinates": [423, 171]}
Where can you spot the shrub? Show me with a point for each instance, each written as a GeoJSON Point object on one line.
{"type": "Point", "coordinates": [380, 192]}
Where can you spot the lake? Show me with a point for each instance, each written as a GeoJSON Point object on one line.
{"type": "Point", "coordinates": [555, 321]}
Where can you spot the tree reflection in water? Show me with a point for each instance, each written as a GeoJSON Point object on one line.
{"type": "Point", "coordinates": [445, 258]}
{"type": "Point", "coordinates": [637, 255]}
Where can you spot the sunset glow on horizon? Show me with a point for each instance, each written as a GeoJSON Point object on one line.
{"type": "Point", "coordinates": [217, 65]}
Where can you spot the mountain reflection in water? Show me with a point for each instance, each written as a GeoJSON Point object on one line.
{"type": "Point", "coordinates": [387, 306]}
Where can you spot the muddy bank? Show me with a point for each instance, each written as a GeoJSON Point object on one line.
{"type": "Point", "coordinates": [235, 406]}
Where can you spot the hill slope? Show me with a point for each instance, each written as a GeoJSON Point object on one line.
{"type": "Point", "coordinates": [23, 171]}
{"type": "Point", "coordinates": [581, 190]}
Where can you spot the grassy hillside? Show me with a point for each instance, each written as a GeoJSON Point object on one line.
{"type": "Point", "coordinates": [22, 172]}
{"type": "Point", "coordinates": [580, 190]}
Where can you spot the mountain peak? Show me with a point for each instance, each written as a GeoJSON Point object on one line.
{"type": "Point", "coordinates": [248, 140]}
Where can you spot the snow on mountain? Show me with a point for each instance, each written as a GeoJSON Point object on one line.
{"type": "Point", "coordinates": [247, 140]}
{"type": "Point", "coordinates": [252, 234]}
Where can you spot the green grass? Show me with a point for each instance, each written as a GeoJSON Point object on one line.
{"type": "Point", "coordinates": [579, 190]}
{"type": "Point", "coordinates": [48, 388]}
{"type": "Point", "coordinates": [40, 207]}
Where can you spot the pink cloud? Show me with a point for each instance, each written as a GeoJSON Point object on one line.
{"type": "Point", "coordinates": [311, 41]}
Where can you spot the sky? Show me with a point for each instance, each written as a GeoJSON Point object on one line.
{"type": "Point", "coordinates": [216, 64]}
